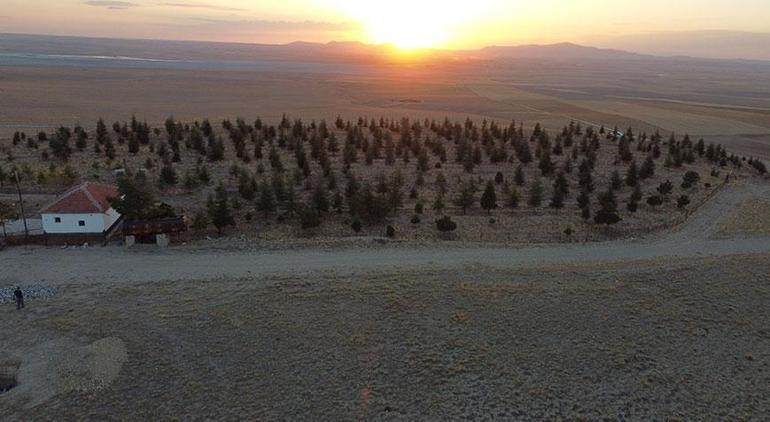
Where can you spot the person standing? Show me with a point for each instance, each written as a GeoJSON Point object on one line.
{"type": "Point", "coordinates": [19, 298]}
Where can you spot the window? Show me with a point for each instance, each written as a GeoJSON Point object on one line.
{"type": "Point", "coordinates": [57, 219]}
{"type": "Point", "coordinates": [81, 223]}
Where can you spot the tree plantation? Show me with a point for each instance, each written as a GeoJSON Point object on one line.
{"type": "Point", "coordinates": [404, 178]}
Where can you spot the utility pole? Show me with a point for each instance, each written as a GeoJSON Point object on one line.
{"type": "Point", "coordinates": [21, 205]}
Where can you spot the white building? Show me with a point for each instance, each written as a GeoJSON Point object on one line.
{"type": "Point", "coordinates": [84, 209]}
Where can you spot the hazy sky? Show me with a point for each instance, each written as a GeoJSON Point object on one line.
{"type": "Point", "coordinates": [436, 23]}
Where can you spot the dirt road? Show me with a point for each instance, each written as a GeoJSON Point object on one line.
{"type": "Point", "coordinates": [695, 238]}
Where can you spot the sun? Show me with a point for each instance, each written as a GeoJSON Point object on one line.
{"type": "Point", "coordinates": [409, 24]}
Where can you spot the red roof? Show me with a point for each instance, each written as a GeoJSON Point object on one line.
{"type": "Point", "coordinates": [87, 198]}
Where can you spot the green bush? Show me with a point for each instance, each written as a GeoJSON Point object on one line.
{"type": "Point", "coordinates": [445, 224]}
{"type": "Point", "coordinates": [655, 200]}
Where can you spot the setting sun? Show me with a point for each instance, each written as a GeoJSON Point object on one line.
{"type": "Point", "coordinates": [410, 24]}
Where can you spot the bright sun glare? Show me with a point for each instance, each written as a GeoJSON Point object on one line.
{"type": "Point", "coordinates": [410, 24]}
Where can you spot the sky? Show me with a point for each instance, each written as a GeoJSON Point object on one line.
{"type": "Point", "coordinates": [452, 24]}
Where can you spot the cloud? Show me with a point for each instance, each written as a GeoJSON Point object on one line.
{"type": "Point", "coordinates": [204, 6]}
{"type": "Point", "coordinates": [111, 4]}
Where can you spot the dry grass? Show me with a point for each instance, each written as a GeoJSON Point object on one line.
{"type": "Point", "coordinates": [682, 100]}
{"type": "Point", "coordinates": [753, 217]}
{"type": "Point", "coordinates": [652, 341]}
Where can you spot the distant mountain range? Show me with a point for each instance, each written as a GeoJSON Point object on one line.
{"type": "Point", "coordinates": [567, 51]}
{"type": "Point", "coordinates": [304, 51]}
{"type": "Point", "coordinates": [706, 44]}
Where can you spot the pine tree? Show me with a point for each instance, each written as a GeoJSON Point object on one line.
{"type": "Point", "coordinates": [291, 199]}
{"type": "Point", "coordinates": [557, 200]}
{"type": "Point", "coordinates": [102, 134]}
{"type": "Point", "coordinates": [279, 186]}
{"type": "Point", "coordinates": [648, 168]}
{"type": "Point", "coordinates": [608, 209]}
{"type": "Point", "coordinates": [632, 176]}
{"type": "Point", "coordinates": [518, 177]}
{"type": "Point", "coordinates": [615, 181]}
{"type": "Point", "coordinates": [513, 198]}
{"type": "Point", "coordinates": [394, 191]}
{"type": "Point", "coordinates": [333, 145]}
{"type": "Point", "coordinates": [561, 184]}
{"type": "Point", "coordinates": [423, 162]}
{"type": "Point", "coordinates": [438, 204]}
{"type": "Point", "coordinates": [546, 165]}
{"type": "Point", "coordinates": [218, 208]}
{"type": "Point", "coordinates": [275, 160]}
{"type": "Point", "coordinates": [81, 141]}
{"type": "Point", "coordinates": [489, 198]}
{"type": "Point", "coordinates": [133, 144]}
{"type": "Point", "coordinates": [535, 194]}
{"type": "Point", "coordinates": [633, 200]}
{"type": "Point", "coordinates": [441, 183]}
{"type": "Point", "coordinates": [266, 198]}
{"type": "Point", "coordinates": [216, 149]}
{"type": "Point", "coordinates": [135, 201]}
{"type": "Point", "coordinates": [584, 177]}
{"type": "Point", "coordinates": [584, 199]}
{"type": "Point", "coordinates": [466, 197]}
{"type": "Point", "coordinates": [168, 175]}
{"type": "Point", "coordinates": [319, 198]}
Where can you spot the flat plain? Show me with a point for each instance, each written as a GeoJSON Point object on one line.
{"type": "Point", "coordinates": [721, 102]}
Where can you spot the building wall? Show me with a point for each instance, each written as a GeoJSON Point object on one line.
{"type": "Point", "coordinates": [93, 223]}
{"type": "Point", "coordinates": [110, 217]}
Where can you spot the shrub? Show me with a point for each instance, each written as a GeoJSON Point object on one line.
{"type": "Point", "coordinates": [759, 166]}
{"type": "Point", "coordinates": [683, 201]}
{"type": "Point", "coordinates": [415, 219]}
{"type": "Point", "coordinates": [445, 224]}
{"type": "Point", "coordinates": [689, 179]}
{"type": "Point", "coordinates": [665, 188]}
{"type": "Point", "coordinates": [357, 226]}
{"type": "Point", "coordinates": [418, 207]}
{"type": "Point", "coordinates": [390, 231]}
{"type": "Point", "coordinates": [499, 178]}
{"type": "Point", "coordinates": [655, 200]}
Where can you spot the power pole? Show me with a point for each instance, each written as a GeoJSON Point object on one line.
{"type": "Point", "coordinates": [21, 205]}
